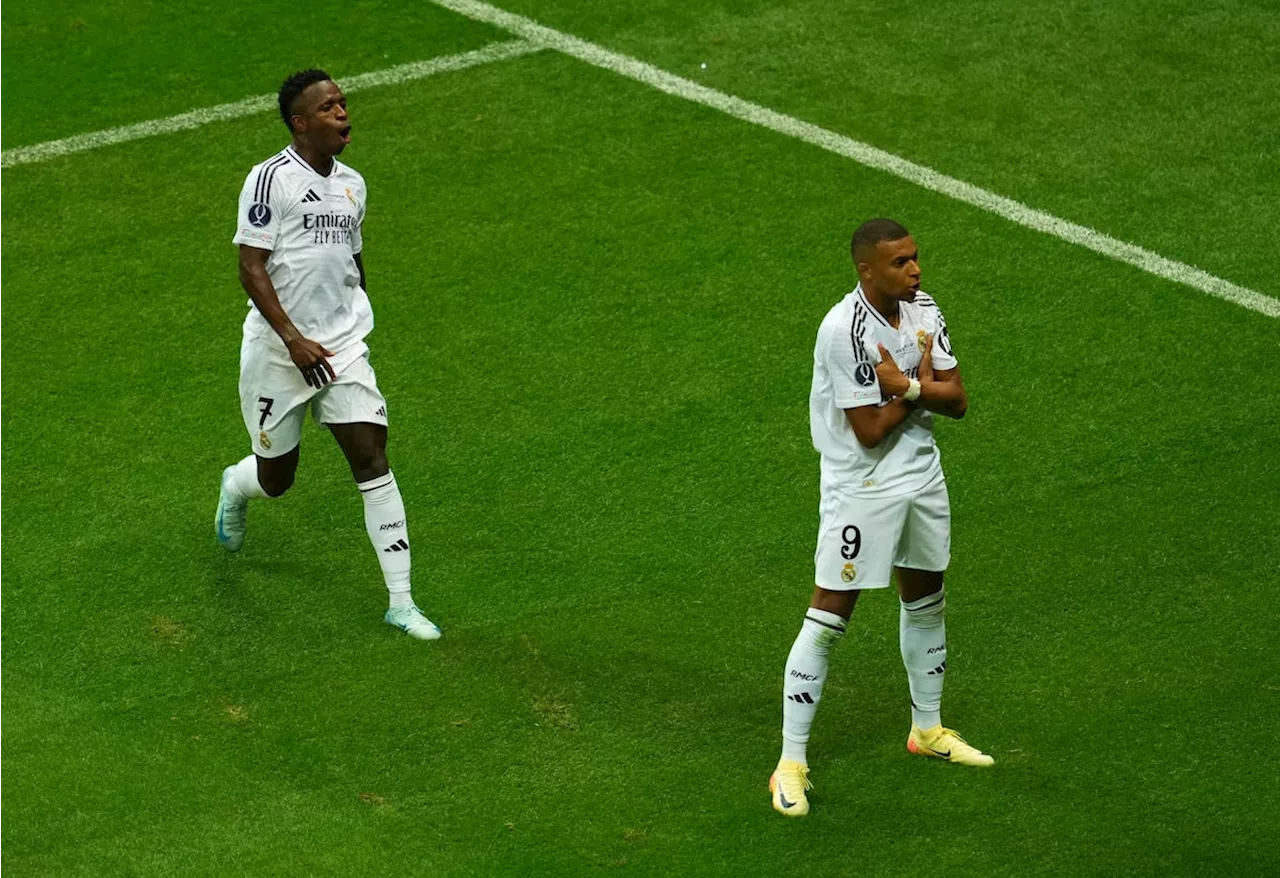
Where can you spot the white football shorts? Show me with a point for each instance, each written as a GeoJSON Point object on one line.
{"type": "Point", "coordinates": [274, 397]}
{"type": "Point", "coordinates": [861, 539]}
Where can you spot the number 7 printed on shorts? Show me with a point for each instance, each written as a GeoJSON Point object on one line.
{"type": "Point", "coordinates": [267, 402]}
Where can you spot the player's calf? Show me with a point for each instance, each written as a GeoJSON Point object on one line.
{"type": "Point", "coordinates": [275, 475]}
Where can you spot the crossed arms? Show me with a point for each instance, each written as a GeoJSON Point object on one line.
{"type": "Point", "coordinates": [941, 392]}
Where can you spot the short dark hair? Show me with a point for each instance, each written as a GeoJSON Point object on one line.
{"type": "Point", "coordinates": [872, 232]}
{"type": "Point", "coordinates": [294, 86]}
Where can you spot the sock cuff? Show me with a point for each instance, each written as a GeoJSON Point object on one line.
{"type": "Point", "coordinates": [244, 480]}
{"type": "Point", "coordinates": [928, 607]}
{"type": "Point", "coordinates": [826, 620]}
{"type": "Point", "coordinates": [375, 484]}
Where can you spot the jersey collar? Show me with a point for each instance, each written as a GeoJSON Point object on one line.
{"type": "Point", "coordinates": [293, 154]}
{"type": "Point", "coordinates": [862, 297]}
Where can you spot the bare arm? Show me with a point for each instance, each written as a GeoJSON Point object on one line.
{"type": "Point", "coordinates": [307, 355]}
{"type": "Point", "coordinates": [257, 283]}
{"type": "Point", "coordinates": [360, 268]}
{"type": "Point", "coordinates": [943, 392]}
{"type": "Point", "coordinates": [871, 424]}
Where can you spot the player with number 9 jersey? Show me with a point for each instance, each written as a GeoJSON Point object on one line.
{"type": "Point", "coordinates": [883, 367]}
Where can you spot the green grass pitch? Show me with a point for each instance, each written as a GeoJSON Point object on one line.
{"type": "Point", "coordinates": [596, 307]}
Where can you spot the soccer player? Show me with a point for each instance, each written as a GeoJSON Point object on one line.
{"type": "Point", "coordinates": [882, 368]}
{"type": "Point", "coordinates": [299, 232]}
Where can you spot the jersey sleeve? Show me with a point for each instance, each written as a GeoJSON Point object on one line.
{"type": "Point", "coordinates": [258, 220]}
{"type": "Point", "coordinates": [853, 372]}
{"type": "Point", "coordinates": [357, 233]}
{"type": "Point", "coordinates": [943, 358]}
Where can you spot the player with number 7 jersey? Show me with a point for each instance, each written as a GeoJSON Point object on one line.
{"type": "Point", "coordinates": [883, 367]}
{"type": "Point", "coordinates": [301, 246]}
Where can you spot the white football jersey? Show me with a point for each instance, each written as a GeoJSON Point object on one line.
{"type": "Point", "coordinates": [844, 377]}
{"type": "Point", "coordinates": [311, 224]}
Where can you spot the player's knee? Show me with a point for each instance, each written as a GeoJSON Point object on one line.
{"type": "Point", "coordinates": [839, 602]}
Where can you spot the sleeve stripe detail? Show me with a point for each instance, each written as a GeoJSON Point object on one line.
{"type": "Point", "coordinates": [262, 173]}
{"type": "Point", "coordinates": [855, 334]}
{"type": "Point", "coordinates": [268, 170]}
{"type": "Point", "coordinates": [271, 178]}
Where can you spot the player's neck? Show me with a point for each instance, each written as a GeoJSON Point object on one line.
{"type": "Point", "coordinates": [886, 305]}
{"type": "Point", "coordinates": [320, 163]}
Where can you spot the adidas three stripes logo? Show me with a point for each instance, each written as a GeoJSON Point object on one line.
{"type": "Point", "coordinates": [801, 698]}
{"type": "Point", "coordinates": [397, 546]}
{"type": "Point", "coordinates": [311, 196]}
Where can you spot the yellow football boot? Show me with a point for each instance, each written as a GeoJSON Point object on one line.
{"type": "Point", "coordinates": [788, 784]}
{"type": "Point", "coordinates": [945, 744]}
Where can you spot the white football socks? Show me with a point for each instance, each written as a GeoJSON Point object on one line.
{"type": "Point", "coordinates": [243, 485]}
{"type": "Point", "coordinates": [385, 523]}
{"type": "Point", "coordinates": [805, 674]}
{"type": "Point", "coordinates": [922, 635]}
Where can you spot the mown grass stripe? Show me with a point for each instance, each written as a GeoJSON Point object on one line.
{"type": "Point", "coordinates": [865, 154]}
{"type": "Point", "coordinates": [42, 152]}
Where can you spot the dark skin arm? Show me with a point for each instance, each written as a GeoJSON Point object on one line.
{"type": "Point", "coordinates": [307, 355]}
{"type": "Point", "coordinates": [360, 268]}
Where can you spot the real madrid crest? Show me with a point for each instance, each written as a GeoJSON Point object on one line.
{"type": "Point", "coordinates": [849, 573]}
{"type": "Point", "coordinates": [921, 338]}
{"type": "Point", "coordinates": [263, 439]}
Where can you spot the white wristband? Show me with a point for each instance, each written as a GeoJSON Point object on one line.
{"type": "Point", "coordinates": [913, 391]}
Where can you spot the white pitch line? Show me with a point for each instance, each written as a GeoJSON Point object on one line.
{"type": "Point", "coordinates": [53, 149]}
{"type": "Point", "coordinates": [868, 155]}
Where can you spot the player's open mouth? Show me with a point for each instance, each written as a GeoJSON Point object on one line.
{"type": "Point", "coordinates": [346, 134]}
